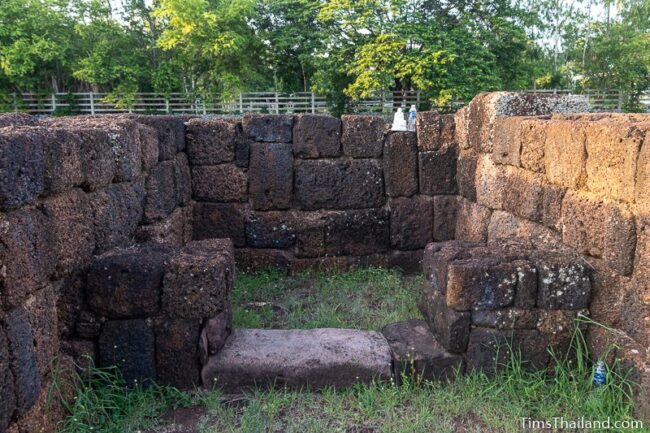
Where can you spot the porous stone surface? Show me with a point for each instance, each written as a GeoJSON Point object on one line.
{"type": "Point", "coordinates": [270, 230]}
{"type": "Point", "coordinates": [220, 220]}
{"type": "Point", "coordinates": [16, 119]}
{"type": "Point", "coordinates": [362, 136]}
{"type": "Point", "coordinates": [270, 176]}
{"type": "Point", "coordinates": [314, 358]}
{"type": "Point", "coordinates": [357, 232]}
{"type": "Point", "coordinates": [445, 214]}
{"type": "Point", "coordinates": [128, 345]}
{"type": "Point", "coordinates": [437, 171]}
{"type": "Point", "coordinates": [417, 354]}
{"type": "Point", "coordinates": [160, 191]}
{"type": "Point", "coordinates": [450, 327]}
{"type": "Point", "coordinates": [27, 382]}
{"type": "Point", "coordinates": [170, 133]}
{"type": "Point", "coordinates": [219, 183]}
{"type": "Point", "coordinates": [22, 165]}
{"type": "Point", "coordinates": [7, 396]}
{"type": "Point", "coordinates": [268, 128]}
{"type": "Point", "coordinates": [177, 355]}
{"type": "Point", "coordinates": [466, 174]}
{"type": "Point", "coordinates": [210, 141]}
{"type": "Point", "coordinates": [489, 350]}
{"type": "Point", "coordinates": [338, 184]}
{"type": "Point", "coordinates": [214, 333]}
{"type": "Point", "coordinates": [411, 222]}
{"type": "Point", "coordinates": [565, 154]}
{"type": "Point", "coordinates": [316, 136]}
{"type": "Point", "coordinates": [400, 163]}
{"type": "Point", "coordinates": [127, 282]}
{"type": "Point", "coordinates": [198, 280]}
{"type": "Point", "coordinates": [176, 229]}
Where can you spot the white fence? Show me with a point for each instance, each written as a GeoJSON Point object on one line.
{"type": "Point", "coordinates": [255, 102]}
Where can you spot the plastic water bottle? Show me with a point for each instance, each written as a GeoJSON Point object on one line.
{"type": "Point", "coordinates": [412, 117]}
{"type": "Point", "coordinates": [600, 375]}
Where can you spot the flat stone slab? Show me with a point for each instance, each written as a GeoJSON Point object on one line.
{"type": "Point", "coordinates": [417, 354]}
{"type": "Point", "coordinates": [314, 358]}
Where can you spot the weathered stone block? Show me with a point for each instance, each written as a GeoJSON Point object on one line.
{"type": "Point", "coordinates": [22, 165]}
{"type": "Point", "coordinates": [310, 233]}
{"type": "Point", "coordinates": [170, 132]}
{"type": "Point", "coordinates": [126, 145]}
{"type": "Point", "coordinates": [69, 218]}
{"type": "Point", "coordinates": [507, 141]}
{"type": "Point", "coordinates": [416, 352]}
{"type": "Point", "coordinates": [438, 255]}
{"type": "Point", "coordinates": [271, 128]}
{"type": "Point", "coordinates": [642, 187]}
{"type": "Point", "coordinates": [437, 171]}
{"type": "Point", "coordinates": [25, 254]}
{"type": "Point", "coordinates": [63, 160]}
{"type": "Point", "coordinates": [565, 154]}
{"type": "Point", "coordinates": [489, 350]}
{"type": "Point", "coordinates": [472, 222]}
{"type": "Point", "coordinates": [316, 136]}
{"type": "Point", "coordinates": [376, 260]}
{"type": "Point", "coordinates": [128, 345]}
{"type": "Point", "coordinates": [176, 229]}
{"type": "Point", "coordinates": [16, 119]}
{"type": "Point", "coordinates": [242, 148]}
{"type": "Point", "coordinates": [411, 222]}
{"type": "Point", "coordinates": [481, 284]}
{"type": "Point", "coordinates": [82, 353]}
{"type": "Point", "coordinates": [612, 149]}
{"type": "Point", "coordinates": [551, 209]}
{"type": "Point", "coordinates": [198, 281]}
{"type": "Point", "coordinates": [641, 276]}
{"type": "Point", "coordinates": [533, 138]}
{"type": "Point", "coordinates": [150, 147]}
{"type": "Point", "coordinates": [523, 194]}
{"type": "Point", "coordinates": [7, 396]}
{"type": "Point", "coordinates": [450, 327]}
{"type": "Point", "coordinates": [97, 158]}
{"type": "Point", "coordinates": [27, 382]}
{"type": "Point", "coordinates": [255, 260]}
{"type": "Point", "coordinates": [511, 318]}
{"type": "Point", "coordinates": [127, 282]}
{"type": "Point", "coordinates": [320, 264]}
{"type": "Point", "coordinates": [177, 355]}
{"type": "Point", "coordinates": [160, 198]}
{"type": "Point", "coordinates": [183, 179]}
{"type": "Point", "coordinates": [357, 232]}
{"type": "Point", "coordinates": [116, 211]}
{"type": "Point", "coordinates": [362, 136]}
{"type": "Point", "coordinates": [270, 230]}
{"type": "Point", "coordinates": [506, 225]}
{"type": "Point", "coordinates": [445, 211]}
{"type": "Point", "coordinates": [564, 282]}
{"type": "Point", "coordinates": [41, 309]}
{"type": "Point", "coordinates": [221, 183]}
{"type": "Point", "coordinates": [428, 125]}
{"type": "Point", "coordinates": [210, 141]}
{"type": "Point", "coordinates": [461, 120]}
{"type": "Point", "coordinates": [220, 220]}
{"type": "Point", "coordinates": [401, 164]}
{"type": "Point", "coordinates": [466, 174]}
{"type": "Point", "coordinates": [339, 184]}
{"type": "Point", "coordinates": [492, 183]}
{"type": "Point", "coordinates": [270, 176]}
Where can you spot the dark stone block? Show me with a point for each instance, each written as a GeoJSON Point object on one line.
{"type": "Point", "coordinates": [450, 327]}
{"type": "Point", "coordinates": [357, 232]}
{"type": "Point", "coordinates": [170, 131]}
{"type": "Point", "coordinates": [214, 333]}
{"type": "Point", "coordinates": [310, 233]}
{"type": "Point", "coordinates": [339, 184]}
{"type": "Point", "coordinates": [220, 220]}
{"type": "Point", "coordinates": [63, 160]}
{"type": "Point", "coordinates": [411, 222]}
{"type": "Point", "coordinates": [183, 179]}
{"type": "Point", "coordinates": [270, 230]}
{"type": "Point", "coordinates": [160, 199]}
{"type": "Point", "coordinates": [511, 318]}
{"type": "Point", "coordinates": [117, 210]}
{"type": "Point", "coordinates": [42, 317]}
{"type": "Point", "coordinates": [221, 183]}
{"type": "Point", "coordinates": [150, 150]}
{"type": "Point", "coordinates": [362, 136]}
{"type": "Point", "coordinates": [198, 280]}
{"type": "Point", "coordinates": [410, 262]}
{"type": "Point", "coordinates": [268, 128]}
{"type": "Point", "coordinates": [124, 141]}
{"type": "Point", "coordinates": [401, 164]}
{"type": "Point", "coordinates": [428, 125]}
{"type": "Point", "coordinates": [437, 257]}
{"type": "Point", "coordinates": [242, 148]}
{"type": "Point", "coordinates": [211, 141]}
{"type": "Point", "coordinates": [437, 171]}
{"type": "Point", "coordinates": [7, 396]}
{"type": "Point", "coordinates": [466, 175]}
{"type": "Point", "coordinates": [27, 383]}
{"type": "Point", "coordinates": [480, 283]}
{"type": "Point", "coordinates": [22, 165]}
{"type": "Point", "coordinates": [127, 283]}
{"type": "Point", "coordinates": [17, 119]}
{"type": "Point", "coordinates": [97, 158]}
{"type": "Point", "coordinates": [316, 136]}
{"type": "Point", "coordinates": [255, 260]}
{"type": "Point", "coordinates": [128, 345]}
{"type": "Point", "coordinates": [417, 354]}
{"type": "Point", "coordinates": [69, 219]}
{"type": "Point", "coordinates": [489, 350]}
{"type": "Point", "coordinates": [270, 176]}
{"type": "Point", "coordinates": [25, 253]}
{"type": "Point", "coordinates": [564, 282]}
{"type": "Point", "coordinates": [177, 354]}
{"type": "Point", "coordinates": [445, 212]}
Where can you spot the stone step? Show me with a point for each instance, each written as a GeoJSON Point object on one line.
{"type": "Point", "coordinates": [314, 358]}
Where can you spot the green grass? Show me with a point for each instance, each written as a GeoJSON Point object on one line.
{"type": "Point", "coordinates": [366, 298]}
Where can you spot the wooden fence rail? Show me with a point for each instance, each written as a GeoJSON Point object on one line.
{"type": "Point", "coordinates": [252, 102]}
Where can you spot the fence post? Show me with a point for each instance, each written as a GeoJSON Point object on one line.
{"type": "Point", "coordinates": [241, 103]}
{"type": "Point", "coordinates": [417, 98]}
{"type": "Point", "coordinates": [620, 100]}
{"type": "Point", "coordinates": [53, 102]}
{"type": "Point", "coordinates": [91, 95]}
{"type": "Point", "coordinates": [204, 109]}
{"type": "Point", "coordinates": [313, 103]}
{"type": "Point", "coordinates": [277, 104]}
{"type": "Point", "coordinates": [15, 103]}
{"type": "Point", "coordinates": [167, 105]}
